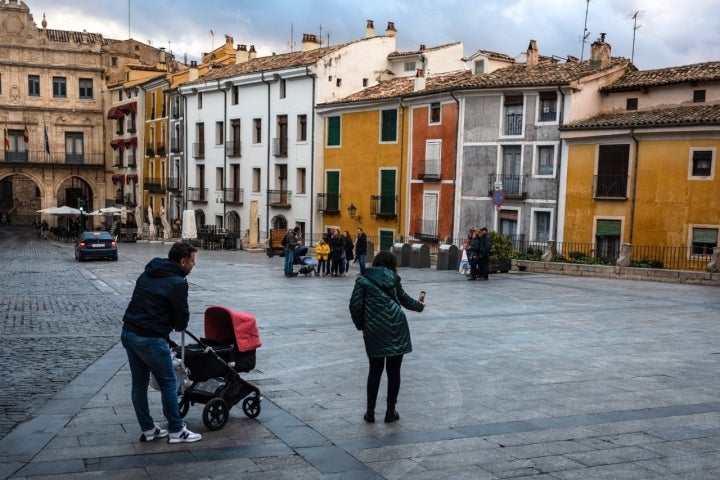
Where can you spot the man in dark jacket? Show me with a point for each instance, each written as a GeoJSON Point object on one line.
{"type": "Point", "coordinates": [376, 309]}
{"type": "Point", "coordinates": [159, 305]}
{"type": "Point", "coordinates": [485, 252]}
{"type": "Point", "coordinates": [361, 249]}
{"type": "Point", "coordinates": [292, 240]}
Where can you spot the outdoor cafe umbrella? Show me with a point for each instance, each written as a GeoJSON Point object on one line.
{"type": "Point", "coordinates": [64, 210]}
{"type": "Point", "coordinates": [189, 227]}
{"type": "Point", "coordinates": [110, 211]}
{"type": "Point", "coordinates": [151, 226]}
{"type": "Point", "coordinates": [165, 223]}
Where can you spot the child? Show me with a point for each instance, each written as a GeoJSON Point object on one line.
{"type": "Point", "coordinates": [322, 251]}
{"type": "Point", "coordinates": [464, 268]}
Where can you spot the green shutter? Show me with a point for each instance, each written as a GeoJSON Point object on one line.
{"type": "Point", "coordinates": [389, 126]}
{"type": "Point", "coordinates": [386, 240]}
{"type": "Point", "coordinates": [333, 190]}
{"type": "Point", "coordinates": [608, 228]}
{"type": "Point", "coordinates": [333, 133]}
{"type": "Point", "coordinates": [387, 192]}
{"type": "Point", "coordinates": [705, 235]}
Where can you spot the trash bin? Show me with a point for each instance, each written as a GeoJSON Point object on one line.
{"type": "Point", "coordinates": [419, 256]}
{"type": "Point", "coordinates": [402, 254]}
{"type": "Point", "coordinates": [447, 257]}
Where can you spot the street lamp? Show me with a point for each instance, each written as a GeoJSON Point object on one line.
{"type": "Point", "coordinates": [352, 211]}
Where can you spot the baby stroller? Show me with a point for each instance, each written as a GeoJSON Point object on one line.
{"type": "Point", "coordinates": [213, 367]}
{"type": "Point", "coordinates": [306, 262]}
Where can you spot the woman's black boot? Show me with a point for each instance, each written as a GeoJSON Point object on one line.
{"type": "Point", "coordinates": [369, 416]}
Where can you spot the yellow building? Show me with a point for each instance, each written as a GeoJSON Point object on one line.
{"type": "Point", "coordinates": [365, 168]}
{"type": "Point", "coordinates": [646, 178]}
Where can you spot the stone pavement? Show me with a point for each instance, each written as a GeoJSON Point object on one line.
{"type": "Point", "coordinates": [529, 376]}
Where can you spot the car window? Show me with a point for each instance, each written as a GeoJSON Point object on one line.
{"type": "Point", "coordinates": [97, 236]}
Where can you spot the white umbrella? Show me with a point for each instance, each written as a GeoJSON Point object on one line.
{"type": "Point", "coordinates": [94, 213]}
{"type": "Point", "coordinates": [110, 211]}
{"type": "Point", "coordinates": [151, 226]}
{"type": "Point", "coordinates": [189, 228]}
{"type": "Point", "coordinates": [64, 210]}
{"type": "Point", "coordinates": [139, 218]}
{"type": "Point", "coordinates": [165, 224]}
{"type": "Point", "coordinates": [45, 210]}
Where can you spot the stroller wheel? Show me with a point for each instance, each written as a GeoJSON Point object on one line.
{"type": "Point", "coordinates": [184, 407]}
{"type": "Point", "coordinates": [216, 413]}
{"type": "Point", "coordinates": [251, 406]}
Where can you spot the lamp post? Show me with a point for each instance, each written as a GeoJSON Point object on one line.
{"type": "Point", "coordinates": [352, 211]}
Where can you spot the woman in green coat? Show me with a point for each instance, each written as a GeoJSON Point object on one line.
{"type": "Point", "coordinates": [376, 309]}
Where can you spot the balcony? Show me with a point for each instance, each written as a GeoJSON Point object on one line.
{"type": "Point", "coordinates": [156, 185]}
{"type": "Point", "coordinates": [513, 186]}
{"type": "Point", "coordinates": [129, 200]}
{"type": "Point", "coordinates": [199, 150]}
{"type": "Point", "coordinates": [232, 148]}
{"type": "Point", "coordinates": [430, 170]}
{"type": "Point", "coordinates": [279, 198]}
{"type": "Point", "coordinates": [233, 195]}
{"type": "Point", "coordinates": [149, 150]}
{"type": "Point", "coordinates": [174, 146]}
{"type": "Point", "coordinates": [426, 229]}
{"type": "Point", "coordinates": [174, 184]}
{"type": "Point", "coordinates": [58, 159]}
{"type": "Point", "coordinates": [384, 206]}
{"type": "Point", "coordinates": [610, 187]}
{"type": "Point", "coordinates": [161, 151]}
{"type": "Point", "coordinates": [328, 203]}
{"type": "Point", "coordinates": [197, 194]}
{"type": "Point", "coordinates": [280, 147]}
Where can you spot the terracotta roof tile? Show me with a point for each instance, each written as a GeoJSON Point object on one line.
{"type": "Point", "coordinates": [519, 75]}
{"type": "Point", "coordinates": [417, 52]}
{"type": "Point", "coordinates": [686, 115]}
{"type": "Point", "coordinates": [636, 80]}
{"type": "Point", "coordinates": [78, 37]}
{"type": "Point", "coordinates": [499, 56]}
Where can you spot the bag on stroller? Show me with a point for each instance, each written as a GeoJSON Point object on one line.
{"type": "Point", "coordinates": [227, 349]}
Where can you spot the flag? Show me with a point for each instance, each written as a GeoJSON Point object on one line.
{"type": "Point", "coordinates": [7, 140]}
{"type": "Point", "coordinates": [47, 141]}
{"type": "Point", "coordinates": [26, 137]}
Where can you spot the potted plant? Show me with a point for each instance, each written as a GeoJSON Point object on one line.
{"type": "Point", "coordinates": [501, 252]}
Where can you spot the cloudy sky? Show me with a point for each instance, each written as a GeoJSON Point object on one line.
{"type": "Point", "coordinates": [669, 33]}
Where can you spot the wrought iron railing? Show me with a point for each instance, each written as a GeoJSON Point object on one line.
{"type": "Point", "coordinates": [385, 206]}
{"type": "Point", "coordinates": [197, 194]}
{"type": "Point", "coordinates": [328, 203]}
{"type": "Point", "coordinates": [430, 170]}
{"type": "Point", "coordinates": [513, 186]}
{"type": "Point", "coordinates": [610, 187]}
{"type": "Point", "coordinates": [279, 198]}
{"type": "Point", "coordinates": [233, 195]}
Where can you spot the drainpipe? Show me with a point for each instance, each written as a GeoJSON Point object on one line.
{"type": "Point", "coordinates": [557, 170]}
{"type": "Point", "coordinates": [454, 184]}
{"type": "Point", "coordinates": [224, 208]}
{"type": "Point", "coordinates": [267, 187]}
{"type": "Point", "coordinates": [633, 198]}
{"type": "Point", "coordinates": [407, 194]}
{"type": "Point", "coordinates": [312, 157]}
{"type": "Point", "coordinates": [184, 155]}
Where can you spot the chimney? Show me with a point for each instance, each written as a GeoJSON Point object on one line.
{"type": "Point", "coordinates": [533, 56]}
{"type": "Point", "coordinates": [422, 47]}
{"type": "Point", "coordinates": [252, 54]}
{"type": "Point", "coordinates": [572, 59]}
{"type": "Point", "coordinates": [310, 42]}
{"type": "Point", "coordinates": [370, 29]}
{"type": "Point", "coordinates": [162, 54]}
{"type": "Point", "coordinates": [600, 53]}
{"type": "Point", "coordinates": [390, 30]}
{"type": "Point", "coordinates": [193, 71]}
{"type": "Point", "coordinates": [419, 80]}
{"type": "Point", "coordinates": [229, 41]}
{"type": "Point", "coordinates": [241, 54]}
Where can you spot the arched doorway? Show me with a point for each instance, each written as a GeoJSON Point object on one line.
{"type": "Point", "coordinates": [20, 199]}
{"type": "Point", "coordinates": [232, 220]}
{"type": "Point", "coordinates": [279, 222]}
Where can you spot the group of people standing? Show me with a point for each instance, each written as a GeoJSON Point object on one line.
{"type": "Point", "coordinates": [336, 251]}
{"type": "Point", "coordinates": [478, 249]}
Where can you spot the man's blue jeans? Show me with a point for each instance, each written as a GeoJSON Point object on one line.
{"type": "Point", "coordinates": [152, 355]}
{"type": "Point", "coordinates": [288, 262]}
{"type": "Point", "coordinates": [361, 261]}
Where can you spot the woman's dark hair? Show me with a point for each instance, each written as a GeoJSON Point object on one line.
{"type": "Point", "coordinates": [181, 250]}
{"type": "Point", "coordinates": [385, 258]}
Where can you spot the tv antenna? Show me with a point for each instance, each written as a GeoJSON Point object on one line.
{"type": "Point", "coordinates": [585, 34]}
{"type": "Point", "coordinates": [634, 15]}
{"type": "Point", "coordinates": [291, 43]}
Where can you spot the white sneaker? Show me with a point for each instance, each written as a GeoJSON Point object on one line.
{"type": "Point", "coordinates": [152, 434]}
{"type": "Point", "coordinates": [184, 436]}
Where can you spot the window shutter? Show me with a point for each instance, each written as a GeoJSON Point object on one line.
{"type": "Point", "coordinates": [608, 228]}
{"type": "Point", "coordinates": [705, 235]}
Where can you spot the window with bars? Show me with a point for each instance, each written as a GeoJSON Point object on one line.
{"type": "Point", "coordinates": [513, 115]}
{"type": "Point", "coordinates": [704, 240]}
{"type": "Point", "coordinates": [701, 163]}
{"type": "Point", "coordinates": [548, 107]}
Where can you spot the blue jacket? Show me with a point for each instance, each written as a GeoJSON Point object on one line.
{"type": "Point", "coordinates": [159, 302]}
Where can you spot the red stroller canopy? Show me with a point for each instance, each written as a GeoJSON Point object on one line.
{"type": "Point", "coordinates": [225, 325]}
